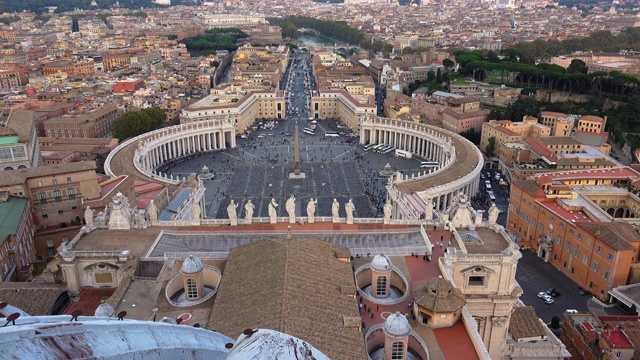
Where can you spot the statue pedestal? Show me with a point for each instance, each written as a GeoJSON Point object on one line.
{"type": "Point", "coordinates": [295, 176]}
{"type": "Point", "coordinates": [234, 222]}
{"type": "Point", "coordinates": [311, 219]}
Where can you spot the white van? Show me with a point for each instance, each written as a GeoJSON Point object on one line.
{"type": "Point", "coordinates": [571, 311]}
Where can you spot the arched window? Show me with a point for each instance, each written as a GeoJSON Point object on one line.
{"type": "Point", "coordinates": [381, 289]}
{"type": "Point", "coordinates": [192, 289]}
{"type": "Point", "coordinates": [397, 351]}
{"type": "Point", "coordinates": [72, 192]}
{"type": "Point", "coordinates": [57, 194]}
{"type": "Point", "coordinates": [42, 196]}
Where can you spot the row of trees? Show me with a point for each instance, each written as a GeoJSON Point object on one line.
{"type": "Point", "coordinates": [436, 80]}
{"type": "Point", "coordinates": [134, 123]}
{"type": "Point", "coordinates": [338, 30]}
{"type": "Point", "coordinates": [40, 6]}
{"type": "Point", "coordinates": [517, 70]}
{"type": "Point", "coordinates": [214, 39]}
{"type": "Point", "coordinates": [597, 41]}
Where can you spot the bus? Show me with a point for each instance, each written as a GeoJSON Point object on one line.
{"type": "Point", "coordinates": [377, 147]}
{"type": "Point", "coordinates": [331, 134]}
{"type": "Point", "coordinates": [308, 131]}
{"type": "Point", "coordinates": [428, 164]}
{"type": "Point", "coordinates": [369, 147]}
{"type": "Point", "coordinates": [403, 153]}
{"type": "Point", "coordinates": [387, 150]}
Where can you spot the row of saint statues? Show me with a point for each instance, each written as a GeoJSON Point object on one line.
{"type": "Point", "coordinates": [290, 207]}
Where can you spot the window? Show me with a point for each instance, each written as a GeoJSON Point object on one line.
{"type": "Point", "coordinates": [476, 280]}
{"type": "Point", "coordinates": [579, 236]}
{"type": "Point", "coordinates": [585, 259]}
{"type": "Point", "coordinates": [72, 192]}
{"type": "Point", "coordinates": [561, 224]}
{"type": "Point", "coordinates": [50, 243]}
{"type": "Point", "coordinates": [381, 283]}
{"type": "Point", "coordinates": [576, 252]}
{"type": "Point", "coordinates": [55, 181]}
{"type": "Point", "coordinates": [568, 247]}
{"type": "Point", "coordinates": [68, 179]}
{"type": "Point", "coordinates": [44, 216]}
{"type": "Point", "coordinates": [541, 227]}
{"type": "Point", "coordinates": [571, 231]}
{"type": "Point", "coordinates": [533, 222]}
{"type": "Point", "coordinates": [60, 211]}
{"type": "Point", "coordinates": [558, 240]}
{"type": "Point", "coordinates": [610, 257]}
{"type": "Point", "coordinates": [74, 208]}
{"type": "Point", "coordinates": [397, 351]}
{"type": "Point", "coordinates": [595, 266]}
{"type": "Point", "coordinates": [192, 289]}
{"type": "Point", "coordinates": [39, 183]}
{"type": "Point", "coordinates": [606, 275]}
{"type": "Point", "coordinates": [57, 194]}
{"type": "Point", "coordinates": [589, 242]}
{"type": "Point", "coordinates": [599, 249]}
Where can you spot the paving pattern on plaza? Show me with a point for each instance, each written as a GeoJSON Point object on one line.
{"type": "Point", "coordinates": [395, 243]}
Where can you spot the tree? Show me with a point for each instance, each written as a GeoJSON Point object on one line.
{"type": "Point", "coordinates": [577, 66]}
{"type": "Point", "coordinates": [491, 147]}
{"type": "Point", "coordinates": [448, 64]}
{"type": "Point", "coordinates": [524, 106]}
{"type": "Point", "coordinates": [289, 30]}
{"type": "Point", "coordinates": [407, 50]}
{"type": "Point", "coordinates": [472, 135]}
{"type": "Point", "coordinates": [134, 123]}
{"type": "Point", "coordinates": [172, 37]}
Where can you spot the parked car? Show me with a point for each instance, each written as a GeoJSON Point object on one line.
{"type": "Point", "coordinates": [541, 294]}
{"type": "Point", "coordinates": [555, 294]}
{"type": "Point", "coordinates": [550, 290]}
{"type": "Point", "coordinates": [584, 292]}
{"type": "Point", "coordinates": [548, 301]}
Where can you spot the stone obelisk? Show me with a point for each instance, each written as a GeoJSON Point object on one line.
{"type": "Point", "coordinates": [297, 174]}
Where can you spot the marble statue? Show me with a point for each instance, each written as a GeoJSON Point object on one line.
{"type": "Point", "coordinates": [388, 208]}
{"type": "Point", "coordinates": [311, 210]}
{"type": "Point", "coordinates": [428, 210]}
{"type": "Point", "coordinates": [273, 214]}
{"type": "Point", "coordinates": [88, 216]}
{"type": "Point", "coordinates": [152, 211]}
{"type": "Point", "coordinates": [291, 209]}
{"type": "Point", "coordinates": [120, 216]}
{"type": "Point", "coordinates": [248, 212]}
{"type": "Point", "coordinates": [349, 208]}
{"type": "Point", "coordinates": [335, 210]}
{"type": "Point", "coordinates": [231, 210]}
{"type": "Point", "coordinates": [493, 213]}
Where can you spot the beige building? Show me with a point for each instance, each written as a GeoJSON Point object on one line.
{"type": "Point", "coordinates": [234, 103]}
{"type": "Point", "coordinates": [560, 124]}
{"type": "Point", "coordinates": [56, 193]}
{"type": "Point", "coordinates": [509, 131]}
{"type": "Point", "coordinates": [19, 147]}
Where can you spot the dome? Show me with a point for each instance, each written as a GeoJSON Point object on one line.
{"type": "Point", "coordinates": [381, 263]}
{"type": "Point", "coordinates": [397, 326]}
{"type": "Point", "coordinates": [104, 309]}
{"type": "Point", "coordinates": [192, 265]}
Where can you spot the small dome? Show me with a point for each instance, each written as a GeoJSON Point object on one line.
{"type": "Point", "coordinates": [381, 263]}
{"type": "Point", "coordinates": [397, 326]}
{"type": "Point", "coordinates": [192, 265]}
{"type": "Point", "coordinates": [104, 309]}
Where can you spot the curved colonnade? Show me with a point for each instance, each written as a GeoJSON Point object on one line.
{"type": "Point", "coordinates": [460, 164]}
{"type": "Point", "coordinates": [150, 150]}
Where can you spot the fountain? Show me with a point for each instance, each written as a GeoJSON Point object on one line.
{"type": "Point", "coordinates": [205, 174]}
{"type": "Point", "coordinates": [387, 171]}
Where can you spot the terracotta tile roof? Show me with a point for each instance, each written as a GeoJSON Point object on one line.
{"type": "Point", "coordinates": [32, 298]}
{"type": "Point", "coordinates": [296, 286]}
{"type": "Point", "coordinates": [439, 296]}
{"type": "Point", "coordinates": [20, 121]}
{"type": "Point", "coordinates": [553, 114]}
{"type": "Point", "coordinates": [558, 140]}
{"type": "Point", "coordinates": [617, 235]}
{"type": "Point", "coordinates": [466, 115]}
{"type": "Point", "coordinates": [531, 187]}
{"type": "Point", "coordinates": [525, 323]}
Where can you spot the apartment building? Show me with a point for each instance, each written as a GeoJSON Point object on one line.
{"type": "Point", "coordinates": [509, 131]}
{"type": "Point", "coordinates": [128, 85]}
{"type": "Point", "coordinates": [592, 124]}
{"type": "Point", "coordinates": [560, 124]}
{"type": "Point", "coordinates": [72, 68]}
{"type": "Point", "coordinates": [17, 250]}
{"type": "Point", "coordinates": [464, 121]}
{"type": "Point", "coordinates": [83, 123]}
{"type": "Point", "coordinates": [114, 61]}
{"type": "Point", "coordinates": [582, 222]}
{"type": "Point", "coordinates": [12, 79]}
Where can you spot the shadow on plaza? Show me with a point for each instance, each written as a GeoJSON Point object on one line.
{"type": "Point", "coordinates": [324, 182]}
